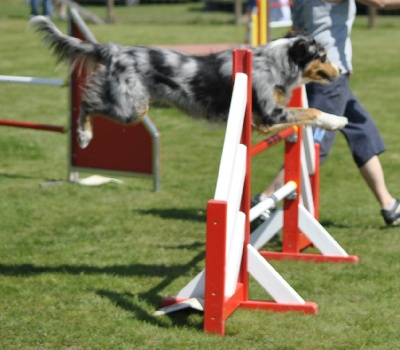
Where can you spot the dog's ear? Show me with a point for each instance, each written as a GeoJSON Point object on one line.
{"type": "Point", "coordinates": [299, 51]}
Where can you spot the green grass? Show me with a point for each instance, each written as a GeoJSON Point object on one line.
{"type": "Point", "coordinates": [85, 268]}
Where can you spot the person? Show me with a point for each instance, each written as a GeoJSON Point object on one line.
{"type": "Point", "coordinates": [330, 22]}
{"type": "Point", "coordinates": [62, 9]}
{"type": "Point", "coordinates": [279, 10]}
{"type": "Point", "coordinates": [47, 6]}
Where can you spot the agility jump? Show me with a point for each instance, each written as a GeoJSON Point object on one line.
{"type": "Point", "coordinates": [135, 149]}
{"type": "Point", "coordinates": [231, 251]}
{"type": "Point", "coordinates": [298, 219]}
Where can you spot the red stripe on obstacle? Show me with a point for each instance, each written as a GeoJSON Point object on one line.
{"type": "Point", "coordinates": [273, 140]}
{"type": "Point", "coordinates": [30, 125]}
{"type": "Point", "coordinates": [307, 307]}
{"type": "Point", "coordinates": [242, 63]}
{"type": "Point", "coordinates": [311, 257]}
{"type": "Point", "coordinates": [277, 4]}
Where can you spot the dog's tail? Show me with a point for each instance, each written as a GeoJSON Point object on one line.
{"type": "Point", "coordinates": [67, 48]}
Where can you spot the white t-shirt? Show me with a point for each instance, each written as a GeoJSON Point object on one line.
{"type": "Point", "coordinates": [330, 24]}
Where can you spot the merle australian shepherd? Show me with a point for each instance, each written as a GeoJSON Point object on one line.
{"type": "Point", "coordinates": [126, 79]}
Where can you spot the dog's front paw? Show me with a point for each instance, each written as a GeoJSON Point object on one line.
{"type": "Point", "coordinates": [84, 138]}
{"type": "Point", "coordinates": [331, 122]}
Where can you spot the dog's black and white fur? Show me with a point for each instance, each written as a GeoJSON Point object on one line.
{"type": "Point", "coordinates": [128, 78]}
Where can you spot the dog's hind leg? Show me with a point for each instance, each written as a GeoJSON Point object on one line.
{"type": "Point", "coordinates": [85, 122]}
{"type": "Point", "coordinates": [125, 102]}
{"type": "Point", "coordinates": [85, 127]}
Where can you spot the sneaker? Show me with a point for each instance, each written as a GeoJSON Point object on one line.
{"type": "Point", "coordinates": [392, 216]}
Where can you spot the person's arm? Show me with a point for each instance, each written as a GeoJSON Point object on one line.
{"type": "Point", "coordinates": [382, 4]}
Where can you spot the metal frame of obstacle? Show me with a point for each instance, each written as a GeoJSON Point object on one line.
{"type": "Point", "coordinates": [132, 150]}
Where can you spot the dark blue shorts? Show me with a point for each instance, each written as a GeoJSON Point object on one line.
{"type": "Point", "coordinates": [361, 132]}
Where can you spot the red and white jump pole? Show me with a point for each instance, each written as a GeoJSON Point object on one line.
{"type": "Point", "coordinates": [32, 81]}
{"type": "Point", "coordinates": [30, 125]}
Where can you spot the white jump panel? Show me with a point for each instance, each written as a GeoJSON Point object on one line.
{"type": "Point", "coordinates": [234, 255]}
{"type": "Point", "coordinates": [318, 235]}
{"type": "Point", "coordinates": [235, 190]}
{"type": "Point", "coordinates": [232, 136]}
{"type": "Point", "coordinates": [271, 280]}
{"type": "Point", "coordinates": [195, 288]}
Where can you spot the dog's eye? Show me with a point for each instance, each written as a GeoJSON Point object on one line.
{"type": "Point", "coordinates": [323, 58]}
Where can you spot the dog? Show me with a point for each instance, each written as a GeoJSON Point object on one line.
{"type": "Point", "coordinates": [126, 79]}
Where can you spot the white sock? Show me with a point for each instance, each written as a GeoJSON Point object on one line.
{"type": "Point", "coordinates": [391, 207]}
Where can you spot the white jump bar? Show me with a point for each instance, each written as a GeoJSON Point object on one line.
{"type": "Point", "coordinates": [269, 202]}
{"type": "Point", "coordinates": [31, 80]}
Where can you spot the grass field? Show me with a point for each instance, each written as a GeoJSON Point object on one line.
{"type": "Point", "coordinates": [85, 268]}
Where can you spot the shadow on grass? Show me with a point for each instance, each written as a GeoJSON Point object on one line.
{"type": "Point", "coordinates": [193, 246]}
{"type": "Point", "coordinates": [172, 272]}
{"type": "Point", "coordinates": [336, 224]}
{"type": "Point", "coordinates": [356, 224]}
{"type": "Point", "coordinates": [17, 176]}
{"type": "Point", "coordinates": [190, 214]}
{"type": "Point", "coordinates": [126, 300]}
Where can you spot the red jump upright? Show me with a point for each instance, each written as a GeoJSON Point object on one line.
{"type": "Point", "coordinates": [298, 221]}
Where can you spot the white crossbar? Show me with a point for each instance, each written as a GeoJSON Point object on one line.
{"type": "Point", "coordinates": [269, 202]}
{"type": "Point", "coordinates": [31, 80]}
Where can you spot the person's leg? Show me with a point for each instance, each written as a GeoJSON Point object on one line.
{"type": "Point", "coordinates": [63, 11]}
{"type": "Point", "coordinates": [366, 144]}
{"type": "Point", "coordinates": [373, 175]}
{"type": "Point", "coordinates": [34, 7]}
{"type": "Point", "coordinates": [276, 184]}
{"type": "Point", "coordinates": [47, 8]}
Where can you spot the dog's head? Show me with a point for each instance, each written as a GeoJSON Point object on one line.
{"type": "Point", "coordinates": [312, 59]}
